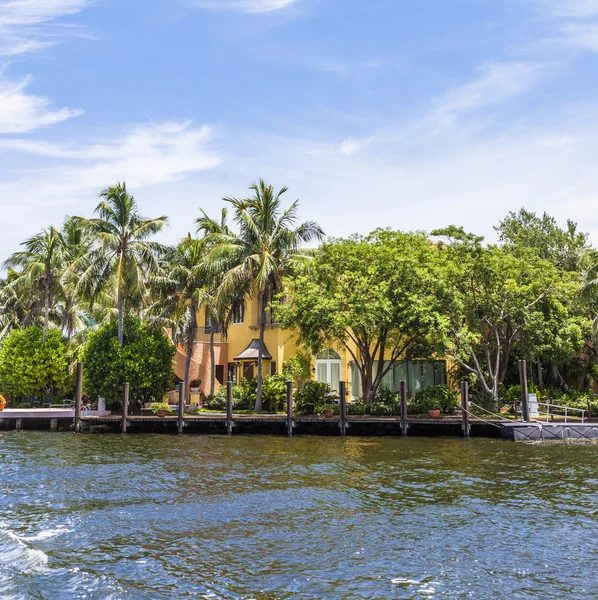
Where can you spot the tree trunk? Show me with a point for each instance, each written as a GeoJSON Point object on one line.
{"type": "Point", "coordinates": [46, 309]}
{"type": "Point", "coordinates": [212, 363]}
{"type": "Point", "coordinates": [260, 357]}
{"type": "Point", "coordinates": [190, 346]}
{"type": "Point", "coordinates": [120, 320]}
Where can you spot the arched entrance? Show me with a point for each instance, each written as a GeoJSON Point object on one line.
{"type": "Point", "coordinates": [329, 368]}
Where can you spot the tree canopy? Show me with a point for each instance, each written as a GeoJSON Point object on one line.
{"type": "Point", "coordinates": [376, 296]}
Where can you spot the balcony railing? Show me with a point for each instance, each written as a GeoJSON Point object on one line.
{"type": "Point", "coordinates": [204, 334]}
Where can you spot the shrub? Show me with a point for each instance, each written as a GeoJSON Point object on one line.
{"type": "Point", "coordinates": [144, 360]}
{"type": "Point", "coordinates": [356, 408]}
{"type": "Point", "coordinates": [31, 369]}
{"type": "Point", "coordinates": [313, 398]}
{"type": "Point", "coordinates": [436, 397]}
{"type": "Point", "coordinates": [217, 402]}
{"type": "Point", "coordinates": [156, 407]}
{"type": "Point", "coordinates": [273, 393]}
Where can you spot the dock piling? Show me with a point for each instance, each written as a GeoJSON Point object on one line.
{"type": "Point", "coordinates": [403, 396]}
{"type": "Point", "coordinates": [289, 408]}
{"type": "Point", "coordinates": [229, 408]}
{"type": "Point", "coordinates": [342, 392]}
{"type": "Point", "coordinates": [465, 408]}
{"type": "Point", "coordinates": [181, 421]}
{"type": "Point", "coordinates": [524, 396]}
{"type": "Point", "coordinates": [78, 397]}
{"type": "Point", "coordinates": [125, 411]}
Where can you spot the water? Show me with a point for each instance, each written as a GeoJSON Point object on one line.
{"type": "Point", "coordinates": [156, 516]}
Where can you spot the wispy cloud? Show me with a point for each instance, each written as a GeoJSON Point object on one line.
{"type": "Point", "coordinates": [21, 112]}
{"type": "Point", "coordinates": [145, 155]}
{"type": "Point", "coordinates": [351, 146]}
{"type": "Point", "coordinates": [574, 9]}
{"type": "Point", "coordinates": [28, 25]}
{"type": "Point", "coordinates": [497, 82]}
{"type": "Point", "coordinates": [250, 6]}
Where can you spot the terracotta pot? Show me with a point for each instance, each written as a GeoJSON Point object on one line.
{"type": "Point", "coordinates": [2, 407]}
{"type": "Point", "coordinates": [434, 414]}
{"type": "Point", "coordinates": [161, 413]}
{"type": "Point", "coordinates": [328, 413]}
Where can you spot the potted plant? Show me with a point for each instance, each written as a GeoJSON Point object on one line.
{"type": "Point", "coordinates": [433, 406]}
{"type": "Point", "coordinates": [3, 402]}
{"type": "Point", "coordinates": [194, 385]}
{"type": "Point", "coordinates": [160, 409]}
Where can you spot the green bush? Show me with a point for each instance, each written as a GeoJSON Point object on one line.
{"type": "Point", "coordinates": [436, 397]}
{"type": "Point", "coordinates": [31, 369]}
{"type": "Point", "coordinates": [144, 360]}
{"type": "Point", "coordinates": [244, 394]}
{"type": "Point", "coordinates": [356, 408]}
{"type": "Point", "coordinates": [313, 398]}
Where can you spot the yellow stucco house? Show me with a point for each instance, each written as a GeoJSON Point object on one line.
{"type": "Point", "coordinates": [236, 357]}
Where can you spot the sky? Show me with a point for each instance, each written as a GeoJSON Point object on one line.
{"type": "Point", "coordinates": [411, 114]}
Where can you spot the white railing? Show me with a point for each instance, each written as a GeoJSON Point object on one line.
{"type": "Point", "coordinates": [565, 408]}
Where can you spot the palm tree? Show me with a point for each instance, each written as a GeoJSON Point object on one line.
{"type": "Point", "coordinates": [124, 259]}
{"type": "Point", "coordinates": [41, 265]}
{"type": "Point", "coordinates": [179, 293]}
{"type": "Point", "coordinates": [218, 307]}
{"type": "Point", "coordinates": [260, 254]}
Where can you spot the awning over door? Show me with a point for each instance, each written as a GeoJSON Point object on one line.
{"type": "Point", "coordinates": [251, 352]}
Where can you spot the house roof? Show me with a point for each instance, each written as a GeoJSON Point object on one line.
{"type": "Point", "coordinates": [251, 352]}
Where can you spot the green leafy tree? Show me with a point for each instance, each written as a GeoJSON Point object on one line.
{"type": "Point", "coordinates": [503, 305]}
{"type": "Point", "coordinates": [542, 235]}
{"type": "Point", "coordinates": [40, 267]}
{"type": "Point", "coordinates": [377, 296]}
{"type": "Point", "coordinates": [123, 259]}
{"type": "Point", "coordinates": [261, 252]}
{"type": "Point", "coordinates": [31, 367]}
{"type": "Point", "coordinates": [144, 359]}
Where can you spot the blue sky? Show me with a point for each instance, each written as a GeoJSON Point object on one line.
{"type": "Point", "coordinates": [406, 113]}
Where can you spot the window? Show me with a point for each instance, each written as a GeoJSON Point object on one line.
{"type": "Point", "coordinates": [418, 375]}
{"type": "Point", "coordinates": [273, 367]}
{"type": "Point", "coordinates": [329, 369]}
{"type": "Point", "coordinates": [220, 374]}
{"type": "Point", "coordinates": [248, 371]}
{"type": "Point", "coordinates": [239, 313]}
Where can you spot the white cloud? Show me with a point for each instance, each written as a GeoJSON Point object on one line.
{"type": "Point", "coordinates": [145, 155]}
{"type": "Point", "coordinates": [582, 35]}
{"type": "Point", "coordinates": [351, 146]}
{"type": "Point", "coordinates": [497, 82]}
{"type": "Point", "coordinates": [20, 112]}
{"type": "Point", "coordinates": [26, 25]}
{"type": "Point", "coordinates": [250, 6]}
{"type": "Point", "coordinates": [574, 9]}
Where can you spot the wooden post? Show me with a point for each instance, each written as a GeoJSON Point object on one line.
{"type": "Point", "coordinates": [181, 422]}
{"type": "Point", "coordinates": [78, 396]}
{"type": "Point", "coordinates": [343, 406]}
{"type": "Point", "coordinates": [289, 408]}
{"type": "Point", "coordinates": [19, 424]}
{"type": "Point", "coordinates": [589, 409]}
{"type": "Point", "coordinates": [465, 408]}
{"type": "Point", "coordinates": [524, 397]}
{"type": "Point", "coordinates": [403, 396]}
{"type": "Point", "coordinates": [229, 408]}
{"type": "Point", "coordinates": [125, 411]}
{"type": "Point", "coordinates": [53, 424]}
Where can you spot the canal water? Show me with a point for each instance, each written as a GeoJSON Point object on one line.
{"type": "Point", "coordinates": [157, 516]}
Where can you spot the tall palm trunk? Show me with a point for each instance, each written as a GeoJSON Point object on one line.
{"type": "Point", "coordinates": [190, 345]}
{"type": "Point", "coordinates": [46, 309]}
{"type": "Point", "coordinates": [260, 353]}
{"type": "Point", "coordinates": [212, 363]}
{"type": "Point", "coordinates": [120, 320]}
{"type": "Point", "coordinates": [192, 335]}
